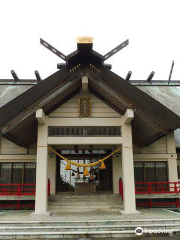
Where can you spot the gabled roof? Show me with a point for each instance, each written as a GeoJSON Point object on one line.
{"type": "Point", "coordinates": [9, 92]}
{"type": "Point", "coordinates": [152, 119]}
{"type": "Point", "coordinates": [169, 96]}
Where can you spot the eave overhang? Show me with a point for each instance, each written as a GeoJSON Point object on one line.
{"type": "Point", "coordinates": [152, 120]}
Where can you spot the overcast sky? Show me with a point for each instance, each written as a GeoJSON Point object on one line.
{"type": "Point", "coordinates": [152, 27]}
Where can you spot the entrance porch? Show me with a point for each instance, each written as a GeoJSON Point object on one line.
{"type": "Point", "coordinates": [93, 138]}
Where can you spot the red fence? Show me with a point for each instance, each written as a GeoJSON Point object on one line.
{"type": "Point", "coordinates": [154, 188]}
{"type": "Point", "coordinates": [20, 189]}
{"type": "Point", "coordinates": [17, 189]}
{"type": "Point", "coordinates": [157, 187]}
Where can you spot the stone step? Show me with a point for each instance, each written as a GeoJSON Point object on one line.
{"type": "Point", "coordinates": [139, 222]}
{"type": "Point", "coordinates": [85, 197]}
{"type": "Point", "coordinates": [71, 204]}
{"type": "Point", "coordinates": [86, 228]}
{"type": "Point", "coordinates": [77, 204]}
{"type": "Point", "coordinates": [85, 202]}
{"type": "Point", "coordinates": [83, 209]}
{"type": "Point", "coordinates": [67, 235]}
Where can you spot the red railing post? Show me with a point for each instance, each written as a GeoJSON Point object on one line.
{"type": "Point", "coordinates": [177, 202]}
{"type": "Point", "coordinates": [49, 187]}
{"type": "Point", "coordinates": [175, 187]}
{"type": "Point", "coordinates": [121, 188]}
{"type": "Point", "coordinates": [19, 190]}
{"type": "Point", "coordinates": [149, 188]}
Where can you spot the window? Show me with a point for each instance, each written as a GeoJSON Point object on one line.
{"type": "Point", "coordinates": [139, 172]}
{"type": "Point", "coordinates": [17, 173]}
{"type": "Point", "coordinates": [161, 172]}
{"type": "Point", "coordinates": [84, 131]}
{"type": "Point", "coordinates": [150, 171]}
{"type": "Point", "coordinates": [5, 173]}
{"type": "Point", "coordinates": [29, 173]}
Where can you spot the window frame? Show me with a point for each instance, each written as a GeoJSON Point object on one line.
{"type": "Point", "coordinates": [23, 170]}
{"type": "Point", "coordinates": [144, 174]}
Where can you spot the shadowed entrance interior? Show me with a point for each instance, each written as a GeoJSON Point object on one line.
{"type": "Point", "coordinates": [66, 179]}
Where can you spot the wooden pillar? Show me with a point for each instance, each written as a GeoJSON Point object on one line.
{"type": "Point", "coordinates": [128, 167]}
{"type": "Point", "coordinates": [172, 162]}
{"type": "Point", "coordinates": [41, 198]}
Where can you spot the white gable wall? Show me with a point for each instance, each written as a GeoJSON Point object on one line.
{"type": "Point", "coordinates": [8, 147]}
{"type": "Point", "coordinates": [71, 109]}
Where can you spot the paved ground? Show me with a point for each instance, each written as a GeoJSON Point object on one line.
{"type": "Point", "coordinates": [145, 214]}
{"type": "Point", "coordinates": [140, 238]}
{"type": "Point", "coordinates": [152, 238]}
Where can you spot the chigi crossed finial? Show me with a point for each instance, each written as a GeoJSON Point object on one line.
{"type": "Point", "coordinates": [84, 40]}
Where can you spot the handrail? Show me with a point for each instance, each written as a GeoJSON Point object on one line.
{"type": "Point", "coordinates": [17, 189]}
{"type": "Point", "coordinates": [157, 187]}
{"type": "Point", "coordinates": [153, 187]}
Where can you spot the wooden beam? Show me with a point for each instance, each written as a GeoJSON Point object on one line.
{"type": "Point", "coordinates": [128, 116]}
{"type": "Point", "coordinates": [85, 140]}
{"type": "Point", "coordinates": [18, 157]}
{"type": "Point", "coordinates": [112, 122]}
{"type": "Point", "coordinates": [84, 84]}
{"type": "Point", "coordinates": [40, 116]}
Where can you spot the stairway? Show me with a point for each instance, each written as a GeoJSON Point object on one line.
{"type": "Point", "coordinates": [102, 229]}
{"type": "Point", "coordinates": [87, 219]}
{"type": "Point", "coordinates": [85, 204]}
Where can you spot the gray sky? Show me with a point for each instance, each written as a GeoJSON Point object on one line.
{"type": "Point", "coordinates": [152, 27]}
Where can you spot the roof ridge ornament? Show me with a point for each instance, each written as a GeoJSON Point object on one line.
{"type": "Point", "coordinates": [85, 40]}
{"type": "Point", "coordinates": [53, 49]}
{"type": "Point", "coordinates": [170, 74]}
{"type": "Point", "coordinates": [115, 50]}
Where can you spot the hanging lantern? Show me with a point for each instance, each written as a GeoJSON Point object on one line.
{"type": "Point", "coordinates": [68, 167]}
{"type": "Point", "coordinates": [86, 172]}
{"type": "Point", "coordinates": [102, 166]}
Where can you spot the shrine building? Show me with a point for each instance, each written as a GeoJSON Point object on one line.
{"type": "Point", "coordinates": [85, 130]}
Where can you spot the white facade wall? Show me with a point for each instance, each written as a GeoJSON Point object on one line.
{"type": "Point", "coordinates": [117, 171]}
{"type": "Point", "coordinates": [52, 172]}
{"type": "Point", "coordinates": [71, 109]}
